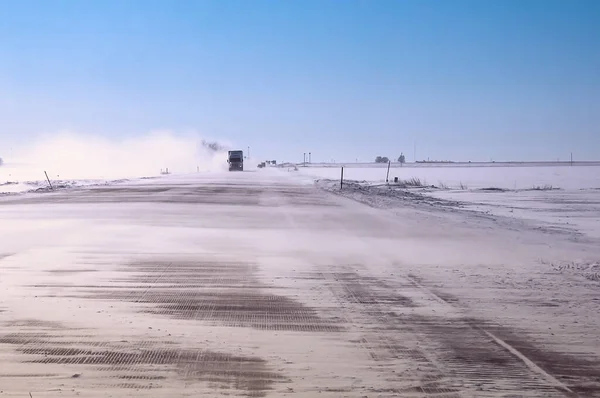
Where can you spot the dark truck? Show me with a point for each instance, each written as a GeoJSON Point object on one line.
{"type": "Point", "coordinates": [236, 160]}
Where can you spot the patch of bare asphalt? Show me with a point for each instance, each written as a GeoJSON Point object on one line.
{"type": "Point", "coordinates": [214, 194]}
{"type": "Point", "coordinates": [34, 323]}
{"type": "Point", "coordinates": [464, 353]}
{"type": "Point", "coordinates": [580, 373]}
{"type": "Point", "coordinates": [214, 291]}
{"type": "Point", "coordinates": [370, 291]}
{"type": "Point", "coordinates": [70, 271]}
{"type": "Point", "coordinates": [27, 375]}
{"type": "Point", "coordinates": [139, 364]}
{"type": "Point", "coordinates": [227, 293]}
{"type": "Point", "coordinates": [220, 292]}
{"type": "Point", "coordinates": [453, 356]}
{"type": "Point", "coordinates": [205, 194]}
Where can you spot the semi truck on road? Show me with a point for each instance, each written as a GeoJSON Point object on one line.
{"type": "Point", "coordinates": [236, 160]}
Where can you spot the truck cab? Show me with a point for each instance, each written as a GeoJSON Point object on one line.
{"type": "Point", "coordinates": [236, 160]}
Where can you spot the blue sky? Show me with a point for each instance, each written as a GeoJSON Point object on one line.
{"type": "Point", "coordinates": [507, 80]}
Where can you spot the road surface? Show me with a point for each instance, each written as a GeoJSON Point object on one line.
{"type": "Point", "coordinates": [260, 284]}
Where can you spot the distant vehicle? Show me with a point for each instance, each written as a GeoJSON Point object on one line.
{"type": "Point", "coordinates": [261, 165]}
{"type": "Point", "coordinates": [236, 160]}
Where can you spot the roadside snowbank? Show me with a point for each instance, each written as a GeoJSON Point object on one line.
{"type": "Point", "coordinates": [577, 210]}
{"type": "Point", "coordinates": [9, 188]}
{"type": "Point", "coordinates": [575, 213]}
{"type": "Point", "coordinates": [554, 197]}
{"type": "Point", "coordinates": [472, 177]}
{"type": "Point", "coordinates": [383, 195]}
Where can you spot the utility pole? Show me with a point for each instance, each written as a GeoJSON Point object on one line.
{"type": "Point", "coordinates": [571, 158]}
{"type": "Point", "coordinates": [309, 158]}
{"type": "Point", "coordinates": [304, 161]}
{"type": "Point", "coordinates": [415, 152]}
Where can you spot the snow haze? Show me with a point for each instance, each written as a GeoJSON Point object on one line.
{"type": "Point", "coordinates": [75, 156]}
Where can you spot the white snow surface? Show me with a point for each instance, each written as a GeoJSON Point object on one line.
{"type": "Point", "coordinates": [561, 197]}
{"type": "Point", "coordinates": [574, 210]}
{"type": "Point", "coordinates": [505, 176]}
{"type": "Point", "coordinates": [417, 295]}
{"type": "Point", "coordinates": [13, 187]}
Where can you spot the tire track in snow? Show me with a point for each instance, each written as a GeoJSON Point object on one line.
{"type": "Point", "coordinates": [479, 335]}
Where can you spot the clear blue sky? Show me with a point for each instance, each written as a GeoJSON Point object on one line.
{"type": "Point", "coordinates": [344, 79]}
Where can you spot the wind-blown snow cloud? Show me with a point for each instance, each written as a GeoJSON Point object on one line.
{"type": "Point", "coordinates": [77, 156]}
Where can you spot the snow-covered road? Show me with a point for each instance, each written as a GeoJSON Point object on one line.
{"type": "Point", "coordinates": [260, 284]}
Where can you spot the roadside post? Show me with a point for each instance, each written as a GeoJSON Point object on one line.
{"type": "Point", "coordinates": [387, 177]}
{"type": "Point", "coordinates": [49, 183]}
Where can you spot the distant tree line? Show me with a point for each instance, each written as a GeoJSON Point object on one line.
{"type": "Point", "coordinates": [385, 159]}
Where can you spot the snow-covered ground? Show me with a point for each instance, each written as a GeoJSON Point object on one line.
{"type": "Point", "coordinates": [473, 177]}
{"type": "Point", "coordinates": [574, 210]}
{"type": "Point", "coordinates": [12, 187]}
{"type": "Point", "coordinates": [562, 197]}
{"type": "Point", "coordinates": [253, 284]}
{"type": "Point", "coordinates": [22, 178]}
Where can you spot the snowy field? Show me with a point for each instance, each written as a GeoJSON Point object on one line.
{"type": "Point", "coordinates": [14, 187]}
{"type": "Point", "coordinates": [17, 178]}
{"type": "Point", "coordinates": [563, 197]}
{"type": "Point", "coordinates": [473, 177]}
